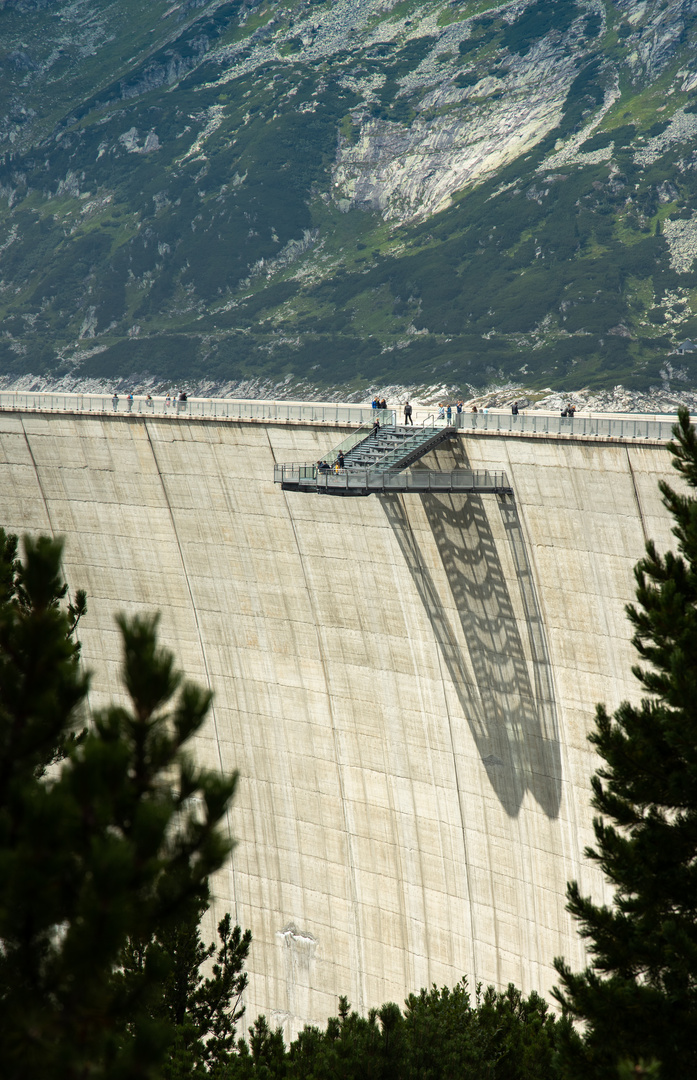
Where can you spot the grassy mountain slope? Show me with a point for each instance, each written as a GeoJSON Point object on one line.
{"type": "Point", "coordinates": [349, 193]}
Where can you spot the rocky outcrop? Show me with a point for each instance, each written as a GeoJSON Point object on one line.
{"type": "Point", "coordinates": [412, 172]}
{"type": "Point", "coordinates": [652, 30]}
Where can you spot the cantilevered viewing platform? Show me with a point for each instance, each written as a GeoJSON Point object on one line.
{"type": "Point", "coordinates": [374, 461]}
{"type": "Point", "coordinates": [367, 482]}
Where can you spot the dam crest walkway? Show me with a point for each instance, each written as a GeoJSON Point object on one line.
{"type": "Point", "coordinates": [651, 428]}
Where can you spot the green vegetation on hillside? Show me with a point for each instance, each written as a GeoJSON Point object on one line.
{"type": "Point", "coordinates": [172, 207]}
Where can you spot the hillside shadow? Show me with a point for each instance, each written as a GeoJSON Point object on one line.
{"type": "Point", "coordinates": [513, 717]}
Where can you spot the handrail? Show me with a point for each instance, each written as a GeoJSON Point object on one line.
{"type": "Point", "coordinates": [307, 477]}
{"type": "Point", "coordinates": [198, 408]}
{"type": "Point", "coordinates": [541, 424]}
{"type": "Point", "coordinates": [389, 453]}
{"type": "Point", "coordinates": [352, 440]}
{"type": "Point", "coordinates": [420, 480]}
{"type": "Point", "coordinates": [531, 423]}
{"type": "Point", "coordinates": [406, 444]}
{"type": "Point", "coordinates": [294, 471]}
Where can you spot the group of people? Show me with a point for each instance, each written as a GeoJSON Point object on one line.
{"type": "Point", "coordinates": [323, 466]}
{"type": "Point", "coordinates": [569, 410]}
{"type": "Point", "coordinates": [378, 403]}
{"type": "Point", "coordinates": [129, 402]}
{"type": "Point", "coordinates": [445, 410]}
{"type": "Point", "coordinates": [170, 400]}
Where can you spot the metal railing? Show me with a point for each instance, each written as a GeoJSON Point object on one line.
{"type": "Point", "coordinates": [357, 437]}
{"type": "Point", "coordinates": [531, 423]}
{"type": "Point", "coordinates": [295, 472]}
{"type": "Point", "coordinates": [307, 475]}
{"type": "Point", "coordinates": [541, 424]}
{"type": "Point", "coordinates": [206, 408]}
{"type": "Point", "coordinates": [421, 480]}
{"type": "Point", "coordinates": [416, 438]}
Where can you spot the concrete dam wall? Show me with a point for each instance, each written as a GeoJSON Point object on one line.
{"type": "Point", "coordinates": [404, 682]}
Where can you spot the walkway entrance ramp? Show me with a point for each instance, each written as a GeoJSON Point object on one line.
{"type": "Point", "coordinates": [393, 447]}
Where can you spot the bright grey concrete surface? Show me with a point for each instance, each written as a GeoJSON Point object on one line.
{"type": "Point", "coordinates": [405, 682]}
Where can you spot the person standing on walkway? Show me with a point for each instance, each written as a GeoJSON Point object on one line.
{"type": "Point", "coordinates": [340, 459]}
{"type": "Point", "coordinates": [449, 413]}
{"type": "Point", "coordinates": [115, 401]}
{"type": "Point", "coordinates": [407, 414]}
{"type": "Point", "coordinates": [129, 399]}
{"type": "Point", "coordinates": [514, 408]}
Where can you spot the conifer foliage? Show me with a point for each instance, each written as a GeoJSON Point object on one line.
{"type": "Point", "coordinates": [638, 997]}
{"type": "Point", "coordinates": [201, 1011]}
{"type": "Point", "coordinates": [440, 1035]}
{"type": "Point", "coordinates": [113, 844]}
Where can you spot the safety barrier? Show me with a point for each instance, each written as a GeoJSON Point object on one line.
{"type": "Point", "coordinates": [205, 408]}
{"type": "Point", "coordinates": [531, 423]}
{"type": "Point", "coordinates": [305, 476]}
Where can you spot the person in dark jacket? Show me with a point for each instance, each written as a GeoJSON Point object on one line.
{"type": "Point", "coordinates": [407, 414]}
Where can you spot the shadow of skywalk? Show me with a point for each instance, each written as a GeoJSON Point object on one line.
{"type": "Point", "coordinates": [513, 722]}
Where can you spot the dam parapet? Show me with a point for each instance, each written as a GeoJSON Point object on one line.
{"type": "Point", "coordinates": [193, 408]}
{"type": "Point", "coordinates": [651, 428]}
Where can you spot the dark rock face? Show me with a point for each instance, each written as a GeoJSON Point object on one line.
{"type": "Point", "coordinates": [340, 194]}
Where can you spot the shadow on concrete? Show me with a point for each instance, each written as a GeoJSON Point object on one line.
{"type": "Point", "coordinates": [513, 719]}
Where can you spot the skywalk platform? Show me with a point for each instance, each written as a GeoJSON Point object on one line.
{"type": "Point", "coordinates": [354, 481]}
{"type": "Point", "coordinates": [375, 463]}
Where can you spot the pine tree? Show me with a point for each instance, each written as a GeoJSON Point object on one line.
{"type": "Point", "coordinates": [440, 1036]}
{"type": "Point", "coordinates": [638, 997]}
{"type": "Point", "coordinates": [202, 1011]}
{"type": "Point", "coordinates": [114, 843]}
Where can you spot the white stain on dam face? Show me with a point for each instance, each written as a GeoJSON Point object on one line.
{"type": "Point", "coordinates": [298, 948]}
